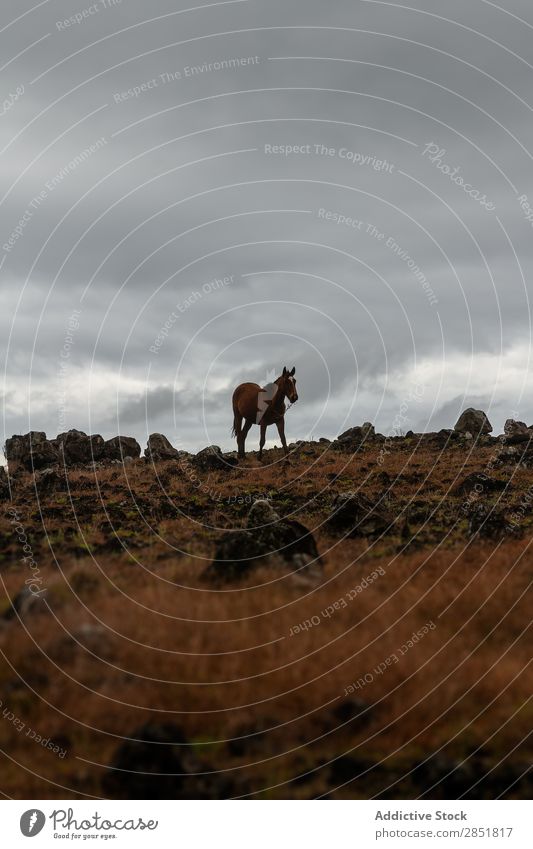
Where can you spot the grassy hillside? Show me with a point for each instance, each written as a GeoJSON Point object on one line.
{"type": "Point", "coordinates": [288, 682]}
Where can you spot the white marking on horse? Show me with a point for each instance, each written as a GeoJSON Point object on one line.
{"type": "Point", "coordinates": [264, 398]}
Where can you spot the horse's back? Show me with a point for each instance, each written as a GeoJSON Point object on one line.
{"type": "Point", "coordinates": [246, 389]}
{"type": "Point", "coordinates": [245, 399]}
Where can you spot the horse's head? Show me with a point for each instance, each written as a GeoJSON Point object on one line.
{"type": "Point", "coordinates": [287, 384]}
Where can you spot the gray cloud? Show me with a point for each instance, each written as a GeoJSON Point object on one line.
{"type": "Point", "coordinates": [181, 193]}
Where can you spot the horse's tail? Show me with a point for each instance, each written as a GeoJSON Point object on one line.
{"type": "Point", "coordinates": [235, 426]}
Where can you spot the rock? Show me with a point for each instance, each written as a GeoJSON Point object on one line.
{"type": "Point", "coordinates": [236, 555]}
{"type": "Point", "coordinates": [479, 483]}
{"type": "Point", "coordinates": [516, 433]}
{"type": "Point", "coordinates": [75, 447]}
{"type": "Point", "coordinates": [525, 459]}
{"type": "Point", "coordinates": [514, 428]}
{"type": "Point", "coordinates": [24, 603]}
{"type": "Point", "coordinates": [211, 459]}
{"type": "Point", "coordinates": [50, 480]}
{"type": "Point", "coordinates": [159, 448]}
{"type": "Point", "coordinates": [509, 454]}
{"type": "Point", "coordinates": [4, 484]}
{"type": "Point", "coordinates": [261, 513]}
{"type": "Point", "coordinates": [356, 437]}
{"type": "Point", "coordinates": [120, 447]}
{"type": "Point", "coordinates": [357, 515]}
{"type": "Point", "coordinates": [358, 434]}
{"type": "Point", "coordinates": [445, 436]}
{"type": "Point", "coordinates": [491, 523]}
{"type": "Point", "coordinates": [160, 765]}
{"type": "Point", "coordinates": [268, 539]}
{"type": "Point", "coordinates": [353, 710]}
{"type": "Point", "coordinates": [474, 422]}
{"type": "Point", "coordinates": [32, 451]}
{"type": "Point", "coordinates": [519, 438]}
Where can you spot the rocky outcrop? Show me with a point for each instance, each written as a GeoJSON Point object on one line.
{"type": "Point", "coordinates": [31, 451]}
{"type": "Point", "coordinates": [211, 459]}
{"type": "Point", "coordinates": [491, 523]}
{"type": "Point", "coordinates": [517, 432]}
{"type": "Point", "coordinates": [121, 447]}
{"type": "Point", "coordinates": [357, 516]}
{"type": "Point", "coordinates": [514, 428]}
{"type": "Point", "coordinates": [474, 422]}
{"type": "Point", "coordinates": [4, 484]}
{"type": "Point", "coordinates": [75, 447]}
{"type": "Point", "coordinates": [366, 430]}
{"type": "Point", "coordinates": [355, 436]}
{"type": "Point", "coordinates": [159, 448]}
{"type": "Point", "coordinates": [478, 483]}
{"type": "Point", "coordinates": [443, 438]}
{"type": "Point", "coordinates": [267, 539]}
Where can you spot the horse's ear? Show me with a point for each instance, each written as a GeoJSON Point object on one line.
{"type": "Point", "coordinates": [293, 370]}
{"type": "Point", "coordinates": [284, 370]}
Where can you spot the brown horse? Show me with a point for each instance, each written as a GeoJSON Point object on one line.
{"type": "Point", "coordinates": [263, 406]}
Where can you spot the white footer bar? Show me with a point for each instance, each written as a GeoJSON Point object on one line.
{"type": "Point", "coordinates": [266, 824]}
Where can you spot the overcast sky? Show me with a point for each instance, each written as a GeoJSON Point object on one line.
{"type": "Point", "coordinates": [154, 216]}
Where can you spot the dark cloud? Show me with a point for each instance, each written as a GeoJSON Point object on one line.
{"type": "Point", "coordinates": [127, 199]}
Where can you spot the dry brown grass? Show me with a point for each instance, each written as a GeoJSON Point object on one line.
{"type": "Point", "coordinates": [217, 661]}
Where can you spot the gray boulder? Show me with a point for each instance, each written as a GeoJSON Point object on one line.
{"type": "Point", "coordinates": [357, 516]}
{"type": "Point", "coordinates": [474, 422]}
{"type": "Point", "coordinates": [517, 432]}
{"type": "Point", "coordinates": [358, 434]}
{"type": "Point", "coordinates": [514, 428]}
{"type": "Point", "coordinates": [212, 459]}
{"type": "Point", "coordinates": [121, 447]}
{"type": "Point", "coordinates": [31, 451]}
{"type": "Point", "coordinates": [75, 447]}
{"type": "Point", "coordinates": [159, 448]}
{"type": "Point", "coordinates": [266, 539]}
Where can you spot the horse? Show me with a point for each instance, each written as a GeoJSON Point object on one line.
{"type": "Point", "coordinates": [263, 406]}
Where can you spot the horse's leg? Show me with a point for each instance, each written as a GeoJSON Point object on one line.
{"type": "Point", "coordinates": [237, 425]}
{"type": "Point", "coordinates": [244, 434]}
{"type": "Point", "coordinates": [262, 439]}
{"type": "Point", "coordinates": [280, 424]}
